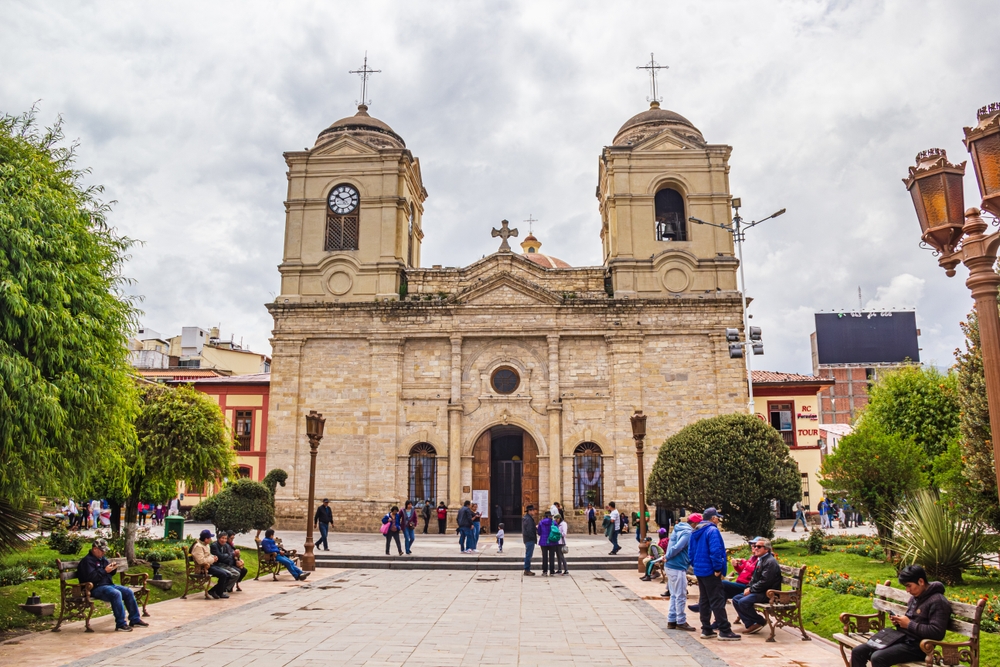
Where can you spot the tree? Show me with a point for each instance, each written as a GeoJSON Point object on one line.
{"type": "Point", "coordinates": [181, 434]}
{"type": "Point", "coordinates": [242, 506]}
{"type": "Point", "coordinates": [975, 488]}
{"type": "Point", "coordinates": [66, 395]}
{"type": "Point", "coordinates": [735, 462]}
{"type": "Point", "coordinates": [916, 402]}
{"type": "Point", "coordinates": [876, 471]}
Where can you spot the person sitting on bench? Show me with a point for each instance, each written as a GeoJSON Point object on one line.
{"type": "Point", "coordinates": [97, 570]}
{"type": "Point", "coordinates": [271, 547]}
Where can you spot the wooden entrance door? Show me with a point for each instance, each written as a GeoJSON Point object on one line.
{"type": "Point", "coordinates": [529, 475]}
{"type": "Point", "coordinates": [481, 464]}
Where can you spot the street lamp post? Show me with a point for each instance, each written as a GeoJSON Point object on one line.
{"type": "Point", "coordinates": [936, 187]}
{"type": "Point", "coordinates": [738, 230]}
{"type": "Point", "coordinates": [314, 430]}
{"type": "Point", "coordinates": [639, 434]}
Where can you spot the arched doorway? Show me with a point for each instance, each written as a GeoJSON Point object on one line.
{"type": "Point", "coordinates": [505, 465]}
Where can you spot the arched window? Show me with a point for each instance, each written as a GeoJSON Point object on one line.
{"type": "Point", "coordinates": [244, 471]}
{"type": "Point", "coordinates": [588, 475]}
{"type": "Point", "coordinates": [423, 472]}
{"type": "Point", "coordinates": [343, 206]}
{"type": "Point", "coordinates": [671, 223]}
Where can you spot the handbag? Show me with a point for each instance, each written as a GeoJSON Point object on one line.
{"type": "Point", "coordinates": [565, 549]}
{"type": "Point", "coordinates": [885, 638]}
{"type": "Point", "coordinates": [385, 528]}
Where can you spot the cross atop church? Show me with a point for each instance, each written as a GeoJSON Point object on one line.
{"type": "Point", "coordinates": [530, 222]}
{"type": "Point", "coordinates": [365, 72]}
{"type": "Point", "coordinates": [652, 66]}
{"type": "Point", "coordinates": [504, 233]}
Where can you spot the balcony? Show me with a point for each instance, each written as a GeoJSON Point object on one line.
{"type": "Point", "coordinates": [243, 443]}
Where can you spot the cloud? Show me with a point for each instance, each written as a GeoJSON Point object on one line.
{"type": "Point", "coordinates": [184, 109]}
{"type": "Point", "coordinates": [903, 292]}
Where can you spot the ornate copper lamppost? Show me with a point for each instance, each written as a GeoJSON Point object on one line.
{"type": "Point", "coordinates": [639, 434]}
{"type": "Point", "coordinates": [314, 430]}
{"type": "Point", "coordinates": [936, 187]}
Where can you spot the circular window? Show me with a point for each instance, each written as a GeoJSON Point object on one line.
{"type": "Point", "coordinates": [505, 381]}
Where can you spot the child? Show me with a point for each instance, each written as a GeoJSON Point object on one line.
{"type": "Point", "coordinates": [500, 538]}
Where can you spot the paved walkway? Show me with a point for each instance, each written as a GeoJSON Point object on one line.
{"type": "Point", "coordinates": [426, 619]}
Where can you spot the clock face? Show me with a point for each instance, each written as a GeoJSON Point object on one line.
{"type": "Point", "coordinates": [343, 199]}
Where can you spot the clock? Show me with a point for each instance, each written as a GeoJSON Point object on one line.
{"type": "Point", "coordinates": [343, 199]}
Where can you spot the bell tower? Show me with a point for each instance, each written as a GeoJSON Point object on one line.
{"type": "Point", "coordinates": [658, 173]}
{"type": "Point", "coordinates": [353, 215]}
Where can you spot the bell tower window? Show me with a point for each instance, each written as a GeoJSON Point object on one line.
{"type": "Point", "coordinates": [671, 223]}
{"type": "Point", "coordinates": [342, 218]}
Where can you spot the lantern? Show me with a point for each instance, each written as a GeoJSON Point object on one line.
{"type": "Point", "coordinates": [314, 424]}
{"type": "Point", "coordinates": [936, 187]}
{"type": "Point", "coordinates": [983, 142]}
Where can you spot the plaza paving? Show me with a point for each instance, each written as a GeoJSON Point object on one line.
{"type": "Point", "coordinates": [415, 618]}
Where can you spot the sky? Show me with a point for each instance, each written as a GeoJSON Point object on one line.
{"type": "Point", "coordinates": [182, 111]}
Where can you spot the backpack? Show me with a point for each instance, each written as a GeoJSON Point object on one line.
{"type": "Point", "coordinates": [554, 534]}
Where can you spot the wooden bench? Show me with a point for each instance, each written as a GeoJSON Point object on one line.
{"type": "Point", "coordinates": [858, 629]}
{"type": "Point", "coordinates": [268, 563]}
{"type": "Point", "coordinates": [75, 602]}
{"type": "Point", "coordinates": [196, 577]}
{"type": "Point", "coordinates": [784, 608]}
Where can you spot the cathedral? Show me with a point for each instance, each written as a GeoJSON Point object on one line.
{"type": "Point", "coordinates": [509, 381]}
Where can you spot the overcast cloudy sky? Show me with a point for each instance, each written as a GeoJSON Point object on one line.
{"type": "Point", "coordinates": [183, 111]}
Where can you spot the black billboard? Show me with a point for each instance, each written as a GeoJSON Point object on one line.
{"type": "Point", "coordinates": [866, 337]}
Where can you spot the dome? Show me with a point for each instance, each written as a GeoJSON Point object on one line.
{"type": "Point", "coordinates": [363, 127]}
{"type": "Point", "coordinates": [531, 246]}
{"type": "Point", "coordinates": [653, 121]}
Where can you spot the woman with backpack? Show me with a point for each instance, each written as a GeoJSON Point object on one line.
{"type": "Point", "coordinates": [548, 540]}
{"type": "Point", "coordinates": [390, 528]}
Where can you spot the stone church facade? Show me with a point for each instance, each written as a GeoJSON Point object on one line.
{"type": "Point", "coordinates": [511, 380]}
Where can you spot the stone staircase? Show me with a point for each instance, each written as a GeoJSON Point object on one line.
{"type": "Point", "coordinates": [470, 562]}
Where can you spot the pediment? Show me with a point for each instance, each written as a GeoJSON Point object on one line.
{"type": "Point", "coordinates": [344, 145]}
{"type": "Point", "coordinates": [669, 140]}
{"type": "Point", "coordinates": [508, 290]}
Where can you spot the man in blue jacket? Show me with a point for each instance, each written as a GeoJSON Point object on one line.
{"type": "Point", "coordinates": [676, 567]}
{"type": "Point", "coordinates": [707, 552]}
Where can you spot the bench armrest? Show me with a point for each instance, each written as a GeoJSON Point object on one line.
{"type": "Point", "coordinates": [948, 653]}
{"type": "Point", "coordinates": [861, 623]}
{"type": "Point", "coordinates": [782, 597]}
{"type": "Point", "coordinates": [134, 579]}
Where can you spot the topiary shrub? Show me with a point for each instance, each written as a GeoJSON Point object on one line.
{"type": "Point", "coordinates": [65, 542]}
{"type": "Point", "coordinates": [242, 506]}
{"type": "Point", "coordinates": [736, 463]}
{"type": "Point", "coordinates": [816, 542]}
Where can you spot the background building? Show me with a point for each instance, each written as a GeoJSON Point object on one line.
{"type": "Point", "coordinates": [789, 402]}
{"type": "Point", "coordinates": [195, 353]}
{"type": "Point", "coordinates": [853, 349]}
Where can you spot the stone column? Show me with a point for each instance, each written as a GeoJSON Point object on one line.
{"type": "Point", "coordinates": [383, 420]}
{"type": "Point", "coordinates": [625, 357]}
{"type": "Point", "coordinates": [455, 425]}
{"type": "Point", "coordinates": [554, 410]}
{"type": "Point", "coordinates": [282, 418]}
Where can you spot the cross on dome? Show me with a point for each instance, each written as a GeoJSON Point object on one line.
{"type": "Point", "coordinates": [365, 72]}
{"type": "Point", "coordinates": [652, 66]}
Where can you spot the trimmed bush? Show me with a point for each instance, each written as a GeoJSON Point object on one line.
{"type": "Point", "coordinates": [65, 542]}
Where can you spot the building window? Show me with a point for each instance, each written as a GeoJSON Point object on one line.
{"type": "Point", "coordinates": [244, 430]}
{"type": "Point", "coordinates": [505, 380]}
{"type": "Point", "coordinates": [781, 420]}
{"type": "Point", "coordinates": [588, 477]}
{"type": "Point", "coordinates": [244, 472]}
{"type": "Point", "coordinates": [195, 489]}
{"type": "Point", "coordinates": [423, 472]}
{"type": "Point", "coordinates": [341, 232]}
{"type": "Point", "coordinates": [805, 489]}
{"type": "Point", "coordinates": [671, 223]}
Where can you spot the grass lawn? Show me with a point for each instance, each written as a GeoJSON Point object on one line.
{"type": "Point", "coordinates": [821, 607]}
{"type": "Point", "coordinates": [13, 619]}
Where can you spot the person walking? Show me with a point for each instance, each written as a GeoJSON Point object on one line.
{"type": "Point", "coordinates": [477, 526]}
{"type": "Point", "coordinates": [464, 520]}
{"type": "Point", "coordinates": [323, 520]}
{"type": "Point", "coordinates": [560, 547]}
{"type": "Point", "coordinates": [591, 519]}
{"type": "Point", "coordinates": [408, 522]}
{"type": "Point", "coordinates": [675, 566]}
{"type": "Point", "coordinates": [442, 515]}
{"type": "Point", "coordinates": [529, 536]}
{"type": "Point", "coordinates": [95, 513]}
{"type": "Point", "coordinates": [425, 511]}
{"type": "Point", "coordinates": [800, 515]}
{"type": "Point", "coordinates": [500, 538]}
{"type": "Point", "coordinates": [707, 552]}
{"type": "Point", "coordinates": [613, 528]}
{"type": "Point", "coordinates": [545, 541]}
{"type": "Point", "coordinates": [175, 507]}
{"type": "Point", "coordinates": [391, 528]}
{"type": "Point", "coordinates": [71, 513]}
{"type": "Point", "coordinates": [824, 517]}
